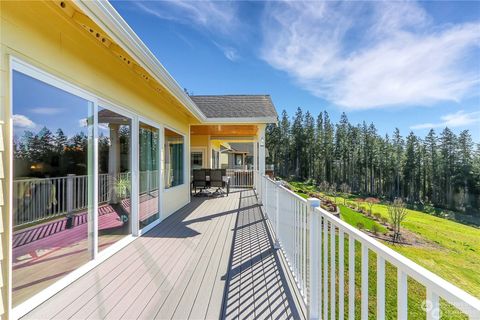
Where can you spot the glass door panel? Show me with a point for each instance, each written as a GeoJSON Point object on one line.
{"type": "Point", "coordinates": [149, 175]}
{"type": "Point", "coordinates": [52, 185]}
{"type": "Point", "coordinates": [114, 177]}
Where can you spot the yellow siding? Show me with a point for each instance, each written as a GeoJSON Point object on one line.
{"type": "Point", "coordinates": [48, 37]}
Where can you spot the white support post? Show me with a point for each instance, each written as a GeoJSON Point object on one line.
{"type": "Point", "coordinates": [432, 305]}
{"type": "Point", "coordinates": [261, 150]}
{"type": "Point", "coordinates": [364, 284]}
{"type": "Point", "coordinates": [70, 194]}
{"type": "Point", "coordinates": [402, 295]}
{"type": "Point", "coordinates": [70, 204]}
{"type": "Point", "coordinates": [314, 303]}
{"type": "Point", "coordinates": [261, 160]}
{"type": "Point", "coordinates": [113, 161]}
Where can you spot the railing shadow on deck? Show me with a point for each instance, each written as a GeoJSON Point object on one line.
{"type": "Point", "coordinates": [256, 286]}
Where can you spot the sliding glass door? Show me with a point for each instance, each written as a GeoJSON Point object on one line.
{"type": "Point", "coordinates": [114, 177]}
{"type": "Point", "coordinates": [72, 187]}
{"type": "Point", "coordinates": [52, 185]}
{"type": "Point", "coordinates": [149, 174]}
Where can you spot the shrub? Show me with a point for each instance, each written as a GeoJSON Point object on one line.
{"type": "Point", "coordinates": [360, 225]}
{"type": "Point", "coordinates": [384, 220]}
{"type": "Point", "coordinates": [375, 228]}
{"type": "Point", "coordinates": [377, 215]}
{"type": "Point", "coordinates": [371, 202]}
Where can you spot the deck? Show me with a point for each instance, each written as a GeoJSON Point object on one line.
{"type": "Point", "coordinates": [211, 259]}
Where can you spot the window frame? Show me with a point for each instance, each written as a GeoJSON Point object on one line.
{"type": "Point", "coordinates": [185, 165]}
{"type": "Point", "coordinates": [160, 129]}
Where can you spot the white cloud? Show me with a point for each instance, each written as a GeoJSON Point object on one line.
{"type": "Point", "coordinates": [452, 120]}
{"type": "Point", "coordinates": [47, 110]}
{"type": "Point", "coordinates": [364, 55]}
{"type": "Point", "coordinates": [82, 123]}
{"type": "Point", "coordinates": [229, 52]}
{"type": "Point", "coordinates": [215, 16]}
{"type": "Point", "coordinates": [21, 121]}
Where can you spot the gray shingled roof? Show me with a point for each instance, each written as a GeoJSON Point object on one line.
{"type": "Point", "coordinates": [236, 106]}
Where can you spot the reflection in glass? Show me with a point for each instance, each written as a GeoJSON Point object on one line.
{"type": "Point", "coordinates": [196, 160]}
{"type": "Point", "coordinates": [52, 185]}
{"type": "Point", "coordinates": [173, 158]}
{"type": "Point", "coordinates": [114, 177]}
{"type": "Point", "coordinates": [148, 175]}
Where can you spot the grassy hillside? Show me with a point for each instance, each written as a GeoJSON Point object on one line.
{"type": "Point", "coordinates": [452, 252]}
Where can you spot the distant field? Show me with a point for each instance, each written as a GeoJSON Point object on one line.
{"type": "Point", "coordinates": [453, 253]}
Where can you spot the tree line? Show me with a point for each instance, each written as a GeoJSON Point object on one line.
{"type": "Point", "coordinates": [54, 154]}
{"type": "Point", "coordinates": [442, 169]}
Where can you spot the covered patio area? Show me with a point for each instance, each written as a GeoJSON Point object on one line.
{"type": "Point", "coordinates": [212, 259]}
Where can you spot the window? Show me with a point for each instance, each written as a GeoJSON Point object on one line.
{"type": "Point", "coordinates": [239, 159]}
{"type": "Point", "coordinates": [114, 177]}
{"type": "Point", "coordinates": [148, 175]}
{"type": "Point", "coordinates": [52, 184]}
{"type": "Point", "coordinates": [174, 158]}
{"type": "Point", "coordinates": [196, 160]}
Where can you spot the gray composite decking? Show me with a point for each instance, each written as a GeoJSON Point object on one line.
{"type": "Point", "coordinates": [212, 259]}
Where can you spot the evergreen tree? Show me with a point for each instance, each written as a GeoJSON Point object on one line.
{"type": "Point", "coordinates": [442, 171]}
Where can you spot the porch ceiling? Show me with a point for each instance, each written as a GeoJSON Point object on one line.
{"type": "Point", "coordinates": [224, 130]}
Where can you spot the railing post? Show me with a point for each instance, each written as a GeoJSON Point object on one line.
{"type": "Point", "coordinates": [276, 245]}
{"type": "Point", "coordinates": [70, 193]}
{"type": "Point", "coordinates": [313, 294]}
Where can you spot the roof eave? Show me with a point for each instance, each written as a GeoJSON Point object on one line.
{"type": "Point", "coordinates": [105, 15]}
{"type": "Point", "coordinates": [256, 120]}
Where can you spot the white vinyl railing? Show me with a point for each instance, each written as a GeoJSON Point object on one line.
{"type": "Point", "coordinates": [240, 178]}
{"type": "Point", "coordinates": [43, 198]}
{"type": "Point", "coordinates": [313, 242]}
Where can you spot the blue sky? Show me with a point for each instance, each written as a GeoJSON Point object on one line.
{"type": "Point", "coordinates": [412, 65]}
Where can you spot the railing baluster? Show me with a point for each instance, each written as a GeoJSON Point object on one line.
{"type": "Point", "coordinates": [433, 307]}
{"type": "Point", "coordinates": [341, 275]}
{"type": "Point", "coordinates": [325, 268]}
{"type": "Point", "coordinates": [402, 291]}
{"type": "Point", "coordinates": [304, 240]}
{"type": "Point", "coordinates": [332, 273]}
{"type": "Point", "coordinates": [364, 297]}
{"type": "Point", "coordinates": [314, 261]}
{"type": "Point", "coordinates": [380, 287]}
{"type": "Point", "coordinates": [351, 277]}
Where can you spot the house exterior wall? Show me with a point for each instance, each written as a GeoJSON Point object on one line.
{"type": "Point", "coordinates": [202, 142]}
{"type": "Point", "coordinates": [43, 35]}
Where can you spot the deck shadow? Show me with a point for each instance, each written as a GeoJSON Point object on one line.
{"type": "Point", "coordinates": [256, 286]}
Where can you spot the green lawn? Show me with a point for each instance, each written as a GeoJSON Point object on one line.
{"type": "Point", "coordinates": [454, 254]}
{"type": "Point", "coordinates": [354, 218]}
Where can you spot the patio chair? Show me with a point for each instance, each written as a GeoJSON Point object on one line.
{"type": "Point", "coordinates": [217, 180]}
{"type": "Point", "coordinates": [199, 179]}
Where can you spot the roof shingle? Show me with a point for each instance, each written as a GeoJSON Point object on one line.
{"type": "Point", "coordinates": [236, 106]}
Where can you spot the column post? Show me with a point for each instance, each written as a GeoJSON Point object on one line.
{"type": "Point", "coordinates": [255, 166]}
{"type": "Point", "coordinates": [70, 195]}
{"type": "Point", "coordinates": [261, 158]}
{"type": "Point", "coordinates": [261, 150]}
{"type": "Point", "coordinates": [315, 244]}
